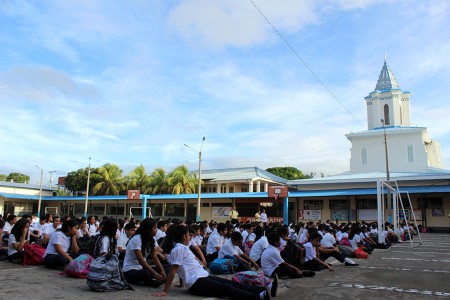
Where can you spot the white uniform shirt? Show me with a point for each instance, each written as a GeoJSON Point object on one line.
{"type": "Point", "coordinates": [11, 241]}
{"type": "Point", "coordinates": [354, 242]}
{"type": "Point", "coordinates": [263, 217]}
{"type": "Point", "coordinates": [215, 240]}
{"type": "Point", "coordinates": [244, 235]}
{"type": "Point", "coordinates": [303, 237]}
{"type": "Point", "coordinates": [251, 237]}
{"type": "Point", "coordinates": [327, 241]}
{"type": "Point", "coordinates": [130, 262]}
{"type": "Point", "coordinates": [7, 228]}
{"type": "Point", "coordinates": [49, 229]}
{"type": "Point", "coordinates": [92, 229]}
{"type": "Point", "coordinates": [58, 238]}
{"type": "Point", "coordinates": [229, 249]}
{"type": "Point", "coordinates": [159, 234]}
{"type": "Point", "coordinates": [189, 269]}
{"type": "Point", "coordinates": [310, 251]}
{"type": "Point", "coordinates": [38, 227]}
{"type": "Point", "coordinates": [270, 260]}
{"type": "Point", "coordinates": [258, 248]}
{"type": "Point", "coordinates": [122, 241]}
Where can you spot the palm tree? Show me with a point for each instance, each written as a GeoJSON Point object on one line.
{"type": "Point", "coordinates": [181, 181]}
{"type": "Point", "coordinates": [157, 182]}
{"type": "Point", "coordinates": [139, 179]}
{"type": "Point", "coordinates": [110, 180]}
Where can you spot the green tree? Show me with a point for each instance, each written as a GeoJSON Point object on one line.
{"type": "Point", "coordinates": [138, 179]}
{"type": "Point", "coordinates": [181, 181]}
{"type": "Point", "coordinates": [109, 180]}
{"type": "Point", "coordinates": [76, 181]}
{"type": "Point", "coordinates": [157, 183]}
{"type": "Point", "coordinates": [3, 177]}
{"type": "Point", "coordinates": [290, 173]}
{"type": "Point", "coordinates": [18, 177]}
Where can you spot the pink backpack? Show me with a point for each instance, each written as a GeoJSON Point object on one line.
{"type": "Point", "coordinates": [79, 267]}
{"type": "Point", "coordinates": [255, 278]}
{"type": "Point", "coordinates": [33, 255]}
{"type": "Point", "coordinates": [345, 242]}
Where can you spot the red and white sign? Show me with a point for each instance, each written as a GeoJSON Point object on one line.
{"type": "Point", "coordinates": [134, 194]}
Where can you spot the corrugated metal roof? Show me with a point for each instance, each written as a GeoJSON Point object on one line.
{"type": "Point", "coordinates": [24, 185]}
{"type": "Point", "coordinates": [240, 174]}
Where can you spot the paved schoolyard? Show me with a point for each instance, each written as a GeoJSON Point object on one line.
{"type": "Point", "coordinates": [399, 272]}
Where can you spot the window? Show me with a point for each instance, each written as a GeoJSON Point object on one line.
{"type": "Point", "coordinates": [156, 209]}
{"type": "Point", "coordinates": [429, 203]}
{"type": "Point", "coordinates": [113, 209]}
{"type": "Point", "coordinates": [364, 156]}
{"type": "Point", "coordinates": [174, 210]}
{"type": "Point", "coordinates": [410, 151]}
{"type": "Point", "coordinates": [247, 209]}
{"type": "Point", "coordinates": [387, 120]}
{"type": "Point", "coordinates": [366, 203]}
{"type": "Point", "coordinates": [98, 210]}
{"type": "Point", "coordinates": [313, 204]}
{"type": "Point", "coordinates": [339, 204]}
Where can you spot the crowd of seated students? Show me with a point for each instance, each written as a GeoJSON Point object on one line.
{"type": "Point", "coordinates": [153, 251]}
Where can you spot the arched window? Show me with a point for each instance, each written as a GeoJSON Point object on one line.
{"type": "Point", "coordinates": [364, 156]}
{"type": "Point", "coordinates": [387, 120]}
{"type": "Point", "coordinates": [410, 151]}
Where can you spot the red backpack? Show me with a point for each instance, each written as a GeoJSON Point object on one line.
{"type": "Point", "coordinates": [33, 255]}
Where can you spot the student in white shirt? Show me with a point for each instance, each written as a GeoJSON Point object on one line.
{"type": "Point", "coordinates": [106, 243]}
{"type": "Point", "coordinates": [231, 248]}
{"type": "Point", "coordinates": [123, 239]}
{"type": "Point", "coordinates": [56, 255]}
{"type": "Point", "coordinates": [263, 216]}
{"type": "Point", "coordinates": [328, 248]}
{"type": "Point", "coordinates": [259, 245]}
{"type": "Point", "coordinates": [160, 231]}
{"type": "Point", "coordinates": [195, 247]}
{"type": "Point", "coordinates": [215, 242]}
{"type": "Point", "coordinates": [10, 221]}
{"type": "Point", "coordinates": [274, 265]}
{"type": "Point", "coordinates": [92, 226]}
{"type": "Point", "coordinates": [195, 278]}
{"type": "Point", "coordinates": [50, 228]}
{"type": "Point", "coordinates": [18, 238]}
{"type": "Point", "coordinates": [135, 267]}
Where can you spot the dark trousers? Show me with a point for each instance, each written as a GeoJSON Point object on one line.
{"type": "Point", "coordinates": [338, 256]}
{"type": "Point", "coordinates": [220, 287]}
{"type": "Point", "coordinates": [210, 257]}
{"type": "Point", "coordinates": [313, 265]}
{"type": "Point", "coordinates": [142, 276]}
{"type": "Point", "coordinates": [54, 261]}
{"type": "Point", "coordinates": [19, 255]}
{"type": "Point", "coordinates": [283, 271]}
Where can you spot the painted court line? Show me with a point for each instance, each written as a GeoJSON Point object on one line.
{"type": "Point", "coordinates": [419, 252]}
{"type": "Point", "coordinates": [404, 269]}
{"type": "Point", "coordinates": [415, 259]}
{"type": "Point", "coordinates": [390, 289]}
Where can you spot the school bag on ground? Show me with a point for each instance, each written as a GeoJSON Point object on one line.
{"type": "Point", "coordinates": [226, 265]}
{"type": "Point", "coordinates": [106, 275]}
{"type": "Point", "coordinates": [33, 255]}
{"type": "Point", "coordinates": [255, 278]}
{"type": "Point", "coordinates": [347, 251]}
{"type": "Point", "coordinates": [79, 267]}
{"type": "Point", "coordinates": [359, 253]}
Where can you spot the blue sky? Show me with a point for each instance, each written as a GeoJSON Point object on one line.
{"type": "Point", "coordinates": [130, 82]}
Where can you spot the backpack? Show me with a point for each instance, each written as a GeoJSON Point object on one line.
{"type": "Point", "coordinates": [247, 246]}
{"type": "Point", "coordinates": [359, 253]}
{"type": "Point", "coordinates": [106, 275]}
{"type": "Point", "coordinates": [79, 267]}
{"type": "Point", "coordinates": [33, 255]}
{"type": "Point", "coordinates": [347, 251]}
{"type": "Point", "coordinates": [345, 242]}
{"type": "Point", "coordinates": [226, 265]}
{"type": "Point", "coordinates": [255, 278]}
{"type": "Point", "coordinates": [93, 246]}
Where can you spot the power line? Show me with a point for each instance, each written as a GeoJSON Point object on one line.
{"type": "Point", "coordinates": [306, 65]}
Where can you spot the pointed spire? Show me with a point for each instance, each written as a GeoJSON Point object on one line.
{"type": "Point", "coordinates": [386, 80]}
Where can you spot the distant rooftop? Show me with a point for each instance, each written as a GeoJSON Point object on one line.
{"type": "Point", "coordinates": [240, 174]}
{"type": "Point", "coordinates": [23, 185]}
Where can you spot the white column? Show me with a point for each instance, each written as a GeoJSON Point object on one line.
{"type": "Point", "coordinates": [218, 188]}
{"type": "Point", "coordinates": [250, 186]}
{"type": "Point", "coordinates": [266, 187]}
{"type": "Point", "coordinates": [258, 186]}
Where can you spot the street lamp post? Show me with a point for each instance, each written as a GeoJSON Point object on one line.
{"type": "Point", "coordinates": [87, 189]}
{"type": "Point", "coordinates": [199, 189]}
{"type": "Point", "coordinates": [40, 193]}
{"type": "Point", "coordinates": [388, 178]}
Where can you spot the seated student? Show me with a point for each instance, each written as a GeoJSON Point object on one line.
{"type": "Point", "coordinates": [194, 246]}
{"type": "Point", "coordinates": [106, 243]}
{"type": "Point", "coordinates": [195, 278]}
{"type": "Point", "coordinates": [10, 221]}
{"type": "Point", "coordinates": [160, 231]}
{"type": "Point", "coordinates": [37, 229]}
{"type": "Point", "coordinates": [247, 229]}
{"type": "Point", "coordinates": [123, 239]}
{"type": "Point", "coordinates": [82, 230]}
{"type": "Point", "coordinates": [215, 242]}
{"type": "Point", "coordinates": [259, 245]}
{"type": "Point", "coordinates": [231, 248]}
{"type": "Point", "coordinates": [273, 264]}
{"type": "Point", "coordinates": [92, 225]}
{"type": "Point", "coordinates": [17, 239]}
{"type": "Point", "coordinates": [328, 248]}
{"type": "Point", "coordinates": [56, 255]}
{"type": "Point", "coordinates": [50, 228]}
{"type": "Point", "coordinates": [3, 247]}
{"type": "Point", "coordinates": [135, 267]}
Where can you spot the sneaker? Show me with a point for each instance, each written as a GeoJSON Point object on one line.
{"type": "Point", "coordinates": [273, 290]}
{"type": "Point", "coordinates": [350, 265]}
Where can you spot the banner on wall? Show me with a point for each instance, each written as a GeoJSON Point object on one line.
{"type": "Point", "coordinates": [367, 214]}
{"type": "Point", "coordinates": [221, 211]}
{"type": "Point", "coordinates": [309, 215]}
{"type": "Point", "coordinates": [343, 214]}
{"type": "Point", "coordinates": [417, 214]}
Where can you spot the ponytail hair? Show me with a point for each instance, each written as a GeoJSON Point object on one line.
{"type": "Point", "coordinates": [69, 223]}
{"type": "Point", "coordinates": [174, 234]}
